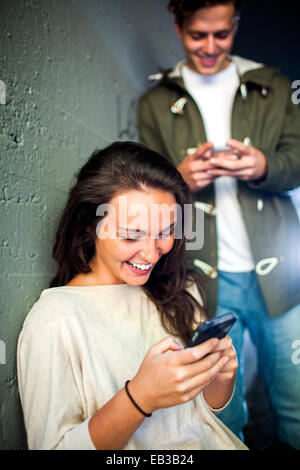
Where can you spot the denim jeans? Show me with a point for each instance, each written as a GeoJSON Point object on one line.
{"type": "Point", "coordinates": [277, 342]}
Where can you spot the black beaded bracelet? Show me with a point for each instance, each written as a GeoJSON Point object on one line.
{"type": "Point", "coordinates": [134, 403]}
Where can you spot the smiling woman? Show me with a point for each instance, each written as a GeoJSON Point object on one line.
{"type": "Point", "coordinates": [119, 301]}
{"type": "Point", "coordinates": [130, 255]}
{"type": "Point", "coordinates": [100, 234]}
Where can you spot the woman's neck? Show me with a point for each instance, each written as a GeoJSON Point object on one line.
{"type": "Point", "coordinates": [83, 279]}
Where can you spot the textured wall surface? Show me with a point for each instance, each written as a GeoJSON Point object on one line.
{"type": "Point", "coordinates": [72, 71]}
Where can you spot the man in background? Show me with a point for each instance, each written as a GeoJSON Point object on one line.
{"type": "Point", "coordinates": [231, 128]}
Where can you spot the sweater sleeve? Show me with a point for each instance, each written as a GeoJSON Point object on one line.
{"type": "Point", "coordinates": [51, 399]}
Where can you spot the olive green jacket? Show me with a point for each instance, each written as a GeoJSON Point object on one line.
{"type": "Point", "coordinates": [264, 116]}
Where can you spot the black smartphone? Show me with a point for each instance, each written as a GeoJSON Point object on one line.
{"type": "Point", "coordinates": [216, 328]}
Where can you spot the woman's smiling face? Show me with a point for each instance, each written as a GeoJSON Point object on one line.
{"type": "Point", "coordinates": [136, 233]}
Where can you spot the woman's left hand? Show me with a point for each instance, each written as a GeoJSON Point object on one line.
{"type": "Point", "coordinates": [219, 391]}
{"type": "Point", "coordinates": [228, 372]}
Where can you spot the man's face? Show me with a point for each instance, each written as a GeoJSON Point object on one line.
{"type": "Point", "coordinates": [207, 37]}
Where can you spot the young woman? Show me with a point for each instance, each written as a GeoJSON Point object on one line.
{"type": "Point", "coordinates": [101, 357]}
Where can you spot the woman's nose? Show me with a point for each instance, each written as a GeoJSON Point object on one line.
{"type": "Point", "coordinates": [150, 251]}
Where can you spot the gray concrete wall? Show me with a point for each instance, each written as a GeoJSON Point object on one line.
{"type": "Point", "coordinates": [72, 70]}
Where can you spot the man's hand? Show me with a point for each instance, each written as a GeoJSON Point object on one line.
{"type": "Point", "coordinates": [194, 168]}
{"type": "Point", "coordinates": [244, 163]}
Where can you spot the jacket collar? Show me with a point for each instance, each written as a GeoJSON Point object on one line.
{"type": "Point", "coordinates": [248, 70]}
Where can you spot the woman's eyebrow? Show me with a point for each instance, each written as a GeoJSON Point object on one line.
{"type": "Point", "coordinates": [142, 232]}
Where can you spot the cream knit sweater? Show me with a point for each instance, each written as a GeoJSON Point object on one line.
{"type": "Point", "coordinates": [77, 348]}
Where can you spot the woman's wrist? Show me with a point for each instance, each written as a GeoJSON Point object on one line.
{"type": "Point", "coordinates": [144, 413]}
{"type": "Point", "coordinates": [218, 394]}
{"type": "Point", "coordinates": [140, 396]}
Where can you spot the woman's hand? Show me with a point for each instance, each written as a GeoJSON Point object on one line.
{"type": "Point", "coordinates": [226, 349]}
{"type": "Point", "coordinates": [170, 375]}
{"type": "Point", "coordinates": [219, 390]}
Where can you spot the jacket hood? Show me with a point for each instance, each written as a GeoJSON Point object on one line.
{"type": "Point", "coordinates": [248, 70]}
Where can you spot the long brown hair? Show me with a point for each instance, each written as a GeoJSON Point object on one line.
{"type": "Point", "coordinates": [120, 167]}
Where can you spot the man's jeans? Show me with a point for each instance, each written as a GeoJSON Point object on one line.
{"type": "Point", "coordinates": [277, 341]}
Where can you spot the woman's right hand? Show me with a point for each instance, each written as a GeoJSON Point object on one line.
{"type": "Point", "coordinates": [171, 378]}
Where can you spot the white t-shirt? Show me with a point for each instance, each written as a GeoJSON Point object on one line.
{"type": "Point", "coordinates": [77, 348]}
{"type": "Point", "coordinates": [214, 97]}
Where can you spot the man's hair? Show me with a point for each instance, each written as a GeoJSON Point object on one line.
{"type": "Point", "coordinates": [184, 8]}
